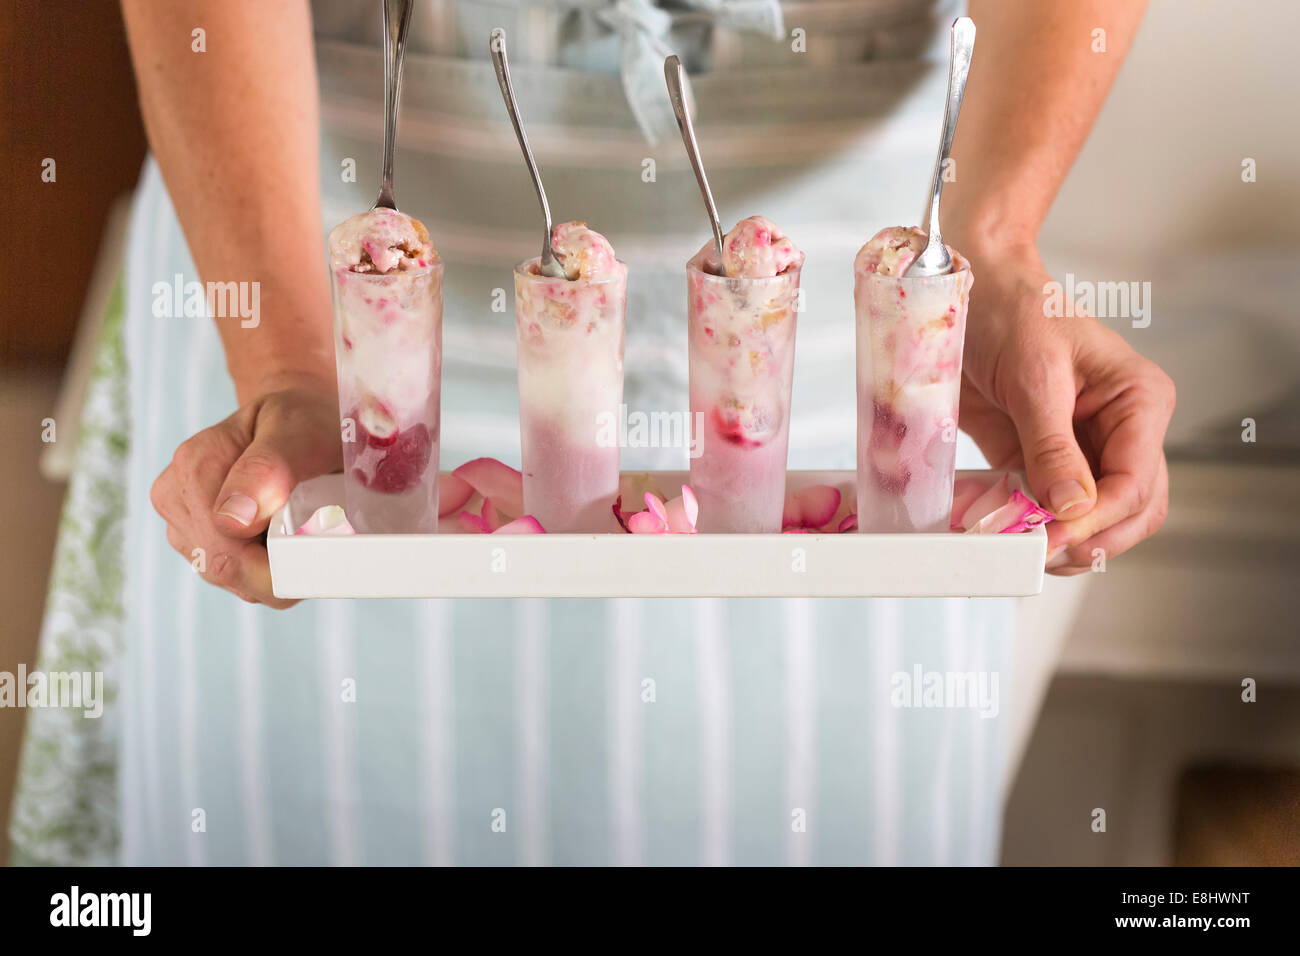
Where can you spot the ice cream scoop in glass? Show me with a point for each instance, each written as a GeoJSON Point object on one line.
{"type": "Point", "coordinates": [570, 332]}
{"type": "Point", "coordinates": [570, 316]}
{"type": "Point", "coordinates": [742, 294]}
{"type": "Point", "coordinates": [910, 294]}
{"type": "Point", "coordinates": [387, 283]}
{"type": "Point", "coordinates": [910, 331]}
{"type": "Point", "coordinates": [741, 353]}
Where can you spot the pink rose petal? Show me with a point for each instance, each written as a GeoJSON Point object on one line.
{"type": "Point", "coordinates": [525, 525]}
{"type": "Point", "coordinates": [810, 507]}
{"type": "Point", "coordinates": [646, 522]}
{"type": "Point", "coordinates": [850, 523]}
{"type": "Point", "coordinates": [453, 492]}
{"type": "Point", "coordinates": [692, 506]}
{"type": "Point", "coordinates": [1031, 515]}
{"type": "Point", "coordinates": [993, 498]}
{"type": "Point", "coordinates": [490, 516]}
{"type": "Point", "coordinates": [848, 503]}
{"type": "Point", "coordinates": [620, 515]}
{"type": "Point", "coordinates": [656, 506]}
{"type": "Point", "coordinates": [996, 520]}
{"type": "Point", "coordinates": [329, 521]}
{"type": "Point", "coordinates": [964, 493]}
{"type": "Point", "coordinates": [496, 480]}
{"type": "Point", "coordinates": [678, 522]}
{"type": "Point", "coordinates": [1019, 514]}
{"type": "Point", "coordinates": [677, 516]}
{"type": "Point", "coordinates": [472, 523]}
{"type": "Point", "coordinates": [791, 512]}
{"type": "Point", "coordinates": [632, 486]}
{"type": "Point", "coordinates": [819, 503]}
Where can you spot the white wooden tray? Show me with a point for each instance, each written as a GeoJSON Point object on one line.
{"type": "Point", "coordinates": [635, 565]}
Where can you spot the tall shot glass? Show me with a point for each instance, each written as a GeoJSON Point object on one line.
{"type": "Point", "coordinates": [909, 345]}
{"type": "Point", "coordinates": [570, 337]}
{"type": "Point", "coordinates": [388, 352]}
{"type": "Point", "coordinates": [741, 354]}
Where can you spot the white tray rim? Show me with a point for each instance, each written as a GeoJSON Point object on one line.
{"type": "Point", "coordinates": [451, 565]}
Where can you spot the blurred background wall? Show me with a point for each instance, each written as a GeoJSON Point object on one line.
{"type": "Point", "coordinates": [1143, 716]}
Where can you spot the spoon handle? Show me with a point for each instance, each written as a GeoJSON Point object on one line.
{"type": "Point", "coordinates": [497, 45]}
{"type": "Point", "coordinates": [397, 22]}
{"type": "Point", "coordinates": [963, 46]}
{"type": "Point", "coordinates": [676, 79]}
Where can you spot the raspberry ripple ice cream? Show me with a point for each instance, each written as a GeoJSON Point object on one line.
{"type": "Point", "coordinates": [570, 333]}
{"type": "Point", "coordinates": [909, 340]}
{"type": "Point", "coordinates": [741, 337]}
{"type": "Point", "coordinates": [387, 282]}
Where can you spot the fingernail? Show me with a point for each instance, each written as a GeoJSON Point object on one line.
{"type": "Point", "coordinates": [240, 507]}
{"type": "Point", "coordinates": [1057, 558]}
{"type": "Point", "coordinates": [1065, 495]}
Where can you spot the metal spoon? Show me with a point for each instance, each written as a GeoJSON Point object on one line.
{"type": "Point", "coordinates": [676, 78]}
{"type": "Point", "coordinates": [935, 260]}
{"type": "Point", "coordinates": [497, 44]}
{"type": "Point", "coordinates": [397, 22]}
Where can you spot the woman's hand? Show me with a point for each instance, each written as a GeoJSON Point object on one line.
{"type": "Point", "coordinates": [224, 483]}
{"type": "Point", "coordinates": [1070, 402]}
{"type": "Point", "coordinates": [1064, 398]}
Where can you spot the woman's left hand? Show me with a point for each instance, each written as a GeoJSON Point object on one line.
{"type": "Point", "coordinates": [1070, 402]}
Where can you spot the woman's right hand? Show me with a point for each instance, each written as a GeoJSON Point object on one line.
{"type": "Point", "coordinates": [224, 484]}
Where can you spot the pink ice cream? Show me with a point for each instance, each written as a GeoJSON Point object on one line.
{"type": "Point", "coordinates": [909, 344]}
{"type": "Point", "coordinates": [388, 347]}
{"type": "Point", "coordinates": [570, 346]}
{"type": "Point", "coordinates": [741, 331]}
{"type": "Point", "coordinates": [923, 340]}
{"type": "Point", "coordinates": [891, 251]}
{"type": "Point", "coordinates": [583, 253]}
{"type": "Point", "coordinates": [380, 241]}
{"type": "Point", "coordinates": [757, 249]}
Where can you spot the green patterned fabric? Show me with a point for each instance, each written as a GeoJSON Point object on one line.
{"type": "Point", "coordinates": [65, 807]}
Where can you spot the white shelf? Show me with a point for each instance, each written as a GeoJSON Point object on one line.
{"type": "Point", "coordinates": [633, 565]}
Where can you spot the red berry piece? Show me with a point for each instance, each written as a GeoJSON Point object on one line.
{"type": "Point", "coordinates": [731, 430]}
{"type": "Point", "coordinates": [887, 425]}
{"type": "Point", "coordinates": [403, 466]}
{"type": "Point", "coordinates": [894, 484]}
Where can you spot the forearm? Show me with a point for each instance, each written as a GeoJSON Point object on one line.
{"type": "Point", "coordinates": [1036, 86]}
{"type": "Point", "coordinates": [235, 130]}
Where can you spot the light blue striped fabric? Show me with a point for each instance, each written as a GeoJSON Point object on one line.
{"type": "Point", "coordinates": [532, 711]}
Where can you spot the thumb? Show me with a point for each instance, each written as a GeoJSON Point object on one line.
{"type": "Point", "coordinates": [1057, 470]}
{"type": "Point", "coordinates": [257, 486]}
{"type": "Point", "coordinates": [281, 454]}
